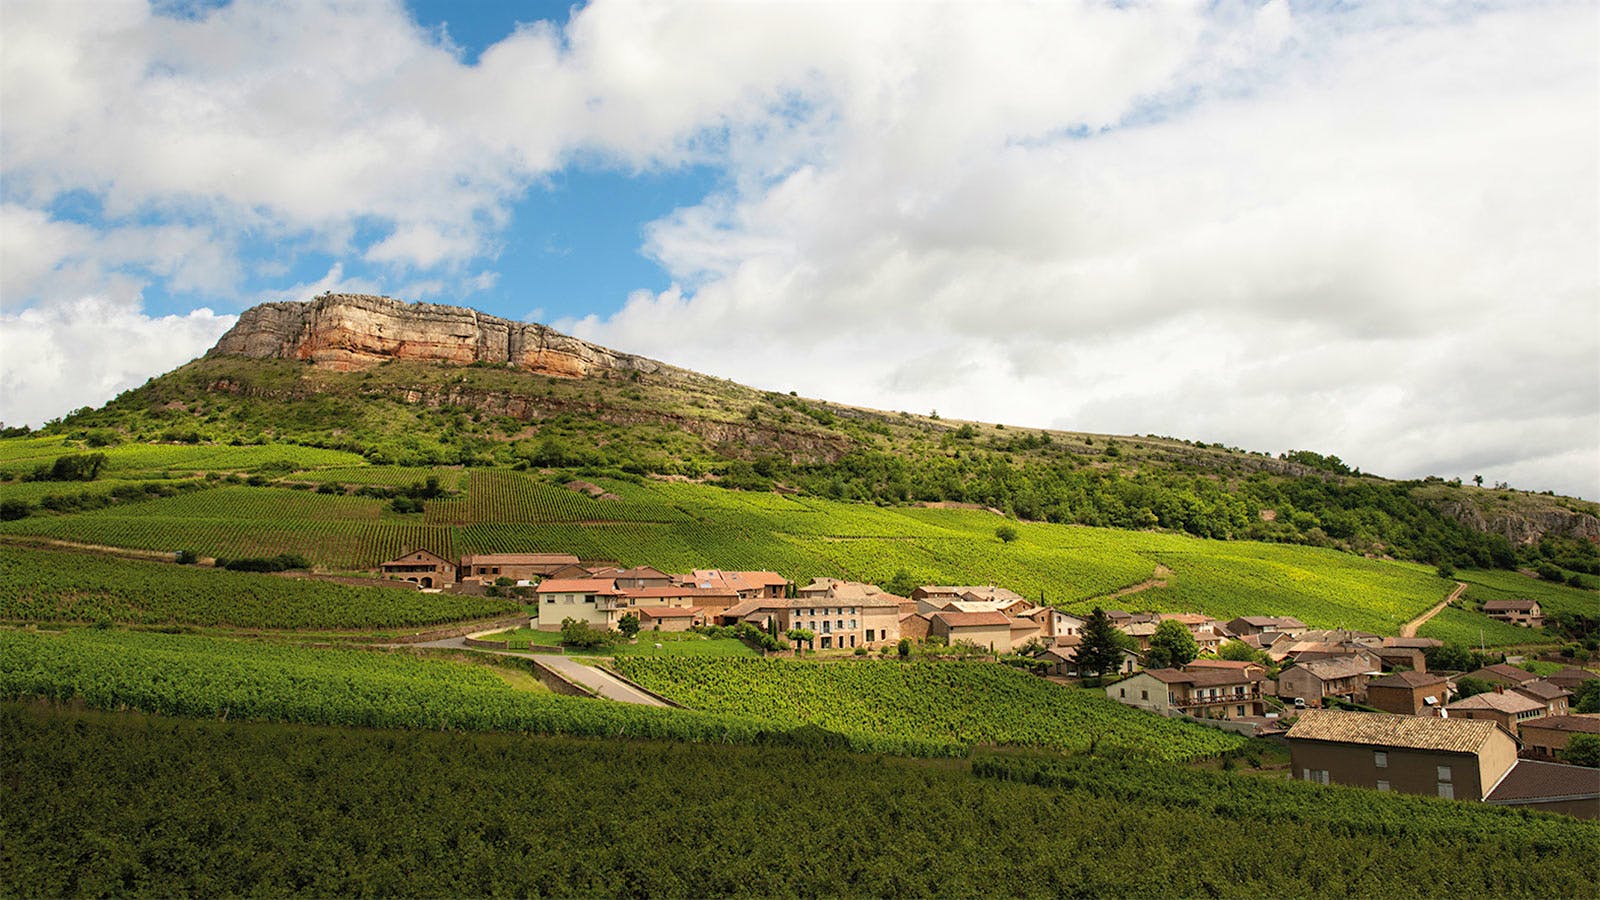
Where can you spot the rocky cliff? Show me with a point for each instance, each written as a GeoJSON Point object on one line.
{"type": "Point", "coordinates": [352, 331]}
{"type": "Point", "coordinates": [1524, 526]}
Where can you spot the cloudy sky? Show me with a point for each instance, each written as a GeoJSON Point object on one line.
{"type": "Point", "coordinates": [1368, 230]}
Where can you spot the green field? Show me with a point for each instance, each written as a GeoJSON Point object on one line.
{"type": "Point", "coordinates": [672, 644]}
{"type": "Point", "coordinates": [131, 805]}
{"type": "Point", "coordinates": [1469, 629]}
{"type": "Point", "coordinates": [970, 703]}
{"type": "Point", "coordinates": [680, 526]}
{"type": "Point", "coordinates": [187, 675]}
{"type": "Point", "coordinates": [59, 586]}
{"type": "Point", "coordinates": [1484, 585]}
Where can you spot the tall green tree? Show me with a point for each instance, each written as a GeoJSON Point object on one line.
{"type": "Point", "coordinates": [1101, 651]}
{"type": "Point", "coordinates": [1171, 645]}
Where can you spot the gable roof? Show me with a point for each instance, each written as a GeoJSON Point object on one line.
{"type": "Point", "coordinates": [1384, 730]}
{"type": "Point", "coordinates": [665, 592]}
{"type": "Point", "coordinates": [411, 557]}
{"type": "Point", "coordinates": [520, 559]}
{"type": "Point", "coordinates": [1418, 643]}
{"type": "Point", "coordinates": [668, 612]}
{"type": "Point", "coordinates": [1502, 672]}
{"type": "Point", "coordinates": [1534, 780]}
{"type": "Point", "coordinates": [650, 572]}
{"type": "Point", "coordinates": [1510, 606]}
{"type": "Point", "coordinates": [1239, 664]}
{"type": "Point", "coordinates": [1511, 703]}
{"type": "Point", "coordinates": [1542, 690]}
{"type": "Point", "coordinates": [1206, 677]}
{"type": "Point", "coordinates": [1572, 674]}
{"type": "Point", "coordinates": [577, 586]}
{"type": "Point", "coordinates": [1334, 667]}
{"type": "Point", "coordinates": [1407, 680]}
{"type": "Point", "coordinates": [1576, 724]}
{"type": "Point", "coordinates": [972, 619]}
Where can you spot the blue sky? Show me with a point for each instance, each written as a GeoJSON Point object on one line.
{"type": "Point", "coordinates": [1345, 227]}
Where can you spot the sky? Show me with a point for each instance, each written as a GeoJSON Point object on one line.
{"type": "Point", "coordinates": [1370, 230]}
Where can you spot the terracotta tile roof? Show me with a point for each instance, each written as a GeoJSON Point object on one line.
{"type": "Point", "coordinates": [651, 593]}
{"type": "Point", "coordinates": [1542, 690]}
{"type": "Point", "coordinates": [1502, 672]}
{"type": "Point", "coordinates": [1533, 780]}
{"type": "Point", "coordinates": [1238, 664]}
{"type": "Point", "coordinates": [668, 612]}
{"type": "Point", "coordinates": [972, 619]}
{"type": "Point", "coordinates": [519, 559]}
{"type": "Point", "coordinates": [1589, 724]}
{"type": "Point", "coordinates": [1509, 606]}
{"type": "Point", "coordinates": [411, 558]}
{"type": "Point", "coordinates": [1335, 667]}
{"type": "Point", "coordinates": [1187, 618]}
{"type": "Point", "coordinates": [1206, 677]}
{"type": "Point", "coordinates": [1572, 674]}
{"type": "Point", "coordinates": [1384, 730]}
{"type": "Point", "coordinates": [1511, 703]}
{"type": "Point", "coordinates": [642, 572]}
{"type": "Point", "coordinates": [1407, 680]}
{"type": "Point", "coordinates": [1412, 642]}
{"type": "Point", "coordinates": [578, 586]}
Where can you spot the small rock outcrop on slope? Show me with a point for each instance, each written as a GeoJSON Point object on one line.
{"type": "Point", "coordinates": [352, 331]}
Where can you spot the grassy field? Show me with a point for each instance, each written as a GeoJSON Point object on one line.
{"type": "Point", "coordinates": [968, 703]}
{"type": "Point", "coordinates": [679, 526]}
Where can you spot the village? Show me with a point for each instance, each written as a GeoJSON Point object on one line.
{"type": "Point", "coordinates": [1354, 708]}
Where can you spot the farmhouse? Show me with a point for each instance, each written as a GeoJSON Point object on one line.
{"type": "Point", "coordinates": [485, 568]}
{"type": "Point", "coordinates": [1204, 692]}
{"type": "Point", "coordinates": [838, 624]}
{"type": "Point", "coordinates": [421, 568]}
{"type": "Point", "coordinates": [1518, 612]}
{"type": "Point", "coordinates": [712, 601]}
{"type": "Point", "coordinates": [1571, 678]}
{"type": "Point", "coordinates": [985, 629]}
{"type": "Point", "coordinates": [1247, 625]}
{"type": "Point", "coordinates": [744, 585]}
{"type": "Point", "coordinates": [639, 577]}
{"type": "Point", "coordinates": [1506, 710]}
{"type": "Point", "coordinates": [593, 600]}
{"type": "Point", "coordinates": [1342, 677]}
{"type": "Point", "coordinates": [670, 618]}
{"type": "Point", "coordinates": [1545, 738]}
{"type": "Point", "coordinates": [1414, 755]}
{"type": "Point", "coordinates": [1408, 693]}
{"type": "Point", "coordinates": [1502, 674]}
{"type": "Point", "coordinates": [1062, 659]}
{"type": "Point", "coordinates": [1554, 698]}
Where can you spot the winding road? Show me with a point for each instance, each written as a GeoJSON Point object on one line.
{"type": "Point", "coordinates": [1409, 629]}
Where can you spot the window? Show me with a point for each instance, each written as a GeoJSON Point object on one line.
{"type": "Point", "coordinates": [1124, 693]}
{"type": "Point", "coordinates": [870, 634]}
{"type": "Point", "coordinates": [550, 599]}
{"type": "Point", "coordinates": [1380, 758]}
{"type": "Point", "coordinates": [852, 624]}
{"type": "Point", "coordinates": [588, 598]}
{"type": "Point", "coordinates": [1383, 786]}
{"type": "Point", "coordinates": [1318, 776]}
{"type": "Point", "coordinates": [1444, 773]}
{"type": "Point", "coordinates": [1241, 710]}
{"type": "Point", "coordinates": [1447, 790]}
{"type": "Point", "coordinates": [1144, 695]}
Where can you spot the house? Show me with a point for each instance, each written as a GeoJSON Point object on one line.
{"type": "Point", "coordinates": [1306, 651]}
{"type": "Point", "coordinates": [745, 585]}
{"type": "Point", "coordinates": [1396, 658]}
{"type": "Point", "coordinates": [1063, 659]}
{"type": "Point", "coordinates": [1458, 758]}
{"type": "Point", "coordinates": [1141, 632]}
{"type": "Point", "coordinates": [1502, 675]}
{"type": "Point", "coordinates": [485, 568]}
{"type": "Point", "coordinates": [642, 577]}
{"type": "Point", "coordinates": [1344, 677]}
{"type": "Point", "coordinates": [712, 601]}
{"type": "Point", "coordinates": [840, 623]}
{"type": "Point", "coordinates": [932, 597]}
{"type": "Point", "coordinates": [1571, 678]}
{"type": "Point", "coordinates": [1554, 698]}
{"type": "Point", "coordinates": [991, 630]}
{"type": "Point", "coordinates": [914, 626]}
{"type": "Point", "coordinates": [1053, 623]}
{"type": "Point", "coordinates": [593, 600]}
{"type": "Point", "coordinates": [1121, 617]}
{"type": "Point", "coordinates": [1408, 693]}
{"type": "Point", "coordinates": [1230, 665]}
{"type": "Point", "coordinates": [1518, 612]}
{"type": "Point", "coordinates": [1504, 709]}
{"type": "Point", "coordinates": [1545, 738]}
{"type": "Point", "coordinates": [670, 618]}
{"type": "Point", "coordinates": [422, 568]}
{"type": "Point", "coordinates": [1550, 787]}
{"type": "Point", "coordinates": [1208, 632]}
{"type": "Point", "coordinates": [1203, 692]}
{"type": "Point", "coordinates": [1246, 625]}
{"type": "Point", "coordinates": [1413, 643]}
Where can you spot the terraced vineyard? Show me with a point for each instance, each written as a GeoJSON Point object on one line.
{"type": "Point", "coordinates": [1553, 598]}
{"type": "Point", "coordinates": [1472, 629]}
{"type": "Point", "coordinates": [56, 586]}
{"type": "Point", "coordinates": [946, 701]}
{"type": "Point", "coordinates": [183, 675]}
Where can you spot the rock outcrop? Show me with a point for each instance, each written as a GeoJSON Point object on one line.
{"type": "Point", "coordinates": [353, 331]}
{"type": "Point", "coordinates": [1525, 526]}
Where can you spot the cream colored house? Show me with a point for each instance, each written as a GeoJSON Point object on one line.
{"type": "Point", "coordinates": [593, 600]}
{"type": "Point", "coordinates": [842, 623]}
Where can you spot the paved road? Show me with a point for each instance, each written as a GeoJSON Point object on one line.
{"type": "Point", "coordinates": [598, 680]}
{"type": "Point", "coordinates": [1409, 629]}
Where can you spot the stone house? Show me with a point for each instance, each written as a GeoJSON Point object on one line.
{"type": "Point", "coordinates": [1544, 738]}
{"type": "Point", "coordinates": [840, 623]}
{"type": "Point", "coordinates": [1508, 709]}
{"type": "Point", "coordinates": [1248, 625]}
{"type": "Point", "coordinates": [1344, 677]}
{"type": "Point", "coordinates": [1204, 693]}
{"type": "Point", "coordinates": [1553, 697]}
{"type": "Point", "coordinates": [1409, 693]}
{"type": "Point", "coordinates": [486, 568]}
{"type": "Point", "coordinates": [593, 600]}
{"type": "Point", "coordinates": [422, 568]}
{"type": "Point", "coordinates": [990, 630]}
{"type": "Point", "coordinates": [1454, 758]}
{"type": "Point", "coordinates": [1518, 612]}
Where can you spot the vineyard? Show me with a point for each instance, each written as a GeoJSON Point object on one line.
{"type": "Point", "coordinates": [54, 586]}
{"type": "Point", "coordinates": [183, 675]}
{"type": "Point", "coordinates": [969, 703]}
{"type": "Point", "coordinates": [681, 526]}
{"type": "Point", "coordinates": [177, 807]}
{"type": "Point", "coordinates": [1470, 629]}
{"type": "Point", "coordinates": [1553, 598]}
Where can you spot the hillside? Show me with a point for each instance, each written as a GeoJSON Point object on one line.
{"type": "Point", "coordinates": [426, 386]}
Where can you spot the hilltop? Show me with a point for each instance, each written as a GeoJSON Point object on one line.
{"type": "Point", "coordinates": [430, 385]}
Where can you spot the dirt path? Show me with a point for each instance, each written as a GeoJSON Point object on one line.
{"type": "Point", "coordinates": [1409, 629]}
{"type": "Point", "coordinates": [1162, 573]}
{"type": "Point", "coordinates": [603, 683]}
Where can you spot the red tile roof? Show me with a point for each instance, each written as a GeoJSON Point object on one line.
{"type": "Point", "coordinates": [668, 612]}
{"type": "Point", "coordinates": [972, 619]}
{"type": "Point", "coordinates": [1582, 724]}
{"type": "Point", "coordinates": [1534, 781]}
{"type": "Point", "coordinates": [578, 586]}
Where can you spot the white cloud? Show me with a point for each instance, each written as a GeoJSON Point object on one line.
{"type": "Point", "coordinates": [46, 372]}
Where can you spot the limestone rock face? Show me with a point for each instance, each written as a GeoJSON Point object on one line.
{"type": "Point", "coordinates": [1526, 527]}
{"type": "Point", "coordinates": [352, 331]}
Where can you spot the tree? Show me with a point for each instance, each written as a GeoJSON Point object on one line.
{"type": "Point", "coordinates": [1586, 699]}
{"type": "Point", "coordinates": [901, 585]}
{"type": "Point", "coordinates": [1583, 750]}
{"type": "Point", "coordinates": [1171, 645]}
{"type": "Point", "coordinates": [1477, 480]}
{"type": "Point", "coordinates": [903, 648]}
{"type": "Point", "coordinates": [1100, 651]}
{"type": "Point", "coordinates": [1006, 533]}
{"type": "Point", "coordinates": [1239, 651]}
{"type": "Point", "coordinates": [628, 625]}
{"type": "Point", "coordinates": [1467, 687]}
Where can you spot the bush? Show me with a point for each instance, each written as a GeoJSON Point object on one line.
{"type": "Point", "coordinates": [1006, 533]}
{"type": "Point", "coordinates": [283, 562]}
{"type": "Point", "coordinates": [587, 637]}
{"type": "Point", "coordinates": [11, 510]}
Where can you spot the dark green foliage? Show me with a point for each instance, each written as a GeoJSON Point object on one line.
{"type": "Point", "coordinates": [1582, 750]}
{"type": "Point", "coordinates": [1101, 649]}
{"type": "Point", "coordinates": [1171, 645]}
{"type": "Point", "coordinates": [12, 509]}
{"type": "Point", "coordinates": [585, 636]}
{"type": "Point", "coordinates": [72, 467]}
{"type": "Point", "coordinates": [124, 804]}
{"type": "Point", "coordinates": [628, 625]}
{"type": "Point", "coordinates": [1006, 533]}
{"type": "Point", "coordinates": [1586, 699]}
{"type": "Point", "coordinates": [1456, 658]}
{"type": "Point", "coordinates": [1467, 687]}
{"type": "Point", "coordinates": [283, 562]}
